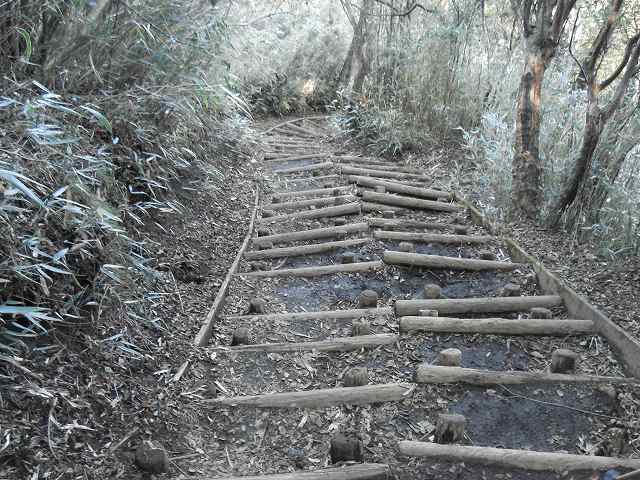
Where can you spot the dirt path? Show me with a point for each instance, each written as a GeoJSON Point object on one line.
{"type": "Point", "coordinates": [352, 299]}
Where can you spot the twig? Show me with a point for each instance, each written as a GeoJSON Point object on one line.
{"type": "Point", "coordinates": [49, 421]}
{"type": "Point", "coordinates": [180, 372]}
{"type": "Point", "coordinates": [560, 405]}
{"type": "Point", "coordinates": [628, 476]}
{"type": "Point", "coordinates": [126, 438]}
{"type": "Point", "coordinates": [24, 370]}
{"type": "Point", "coordinates": [185, 457]}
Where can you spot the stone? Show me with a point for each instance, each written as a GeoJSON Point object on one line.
{"type": "Point", "coordinates": [432, 291]}
{"type": "Point", "coordinates": [368, 299]}
{"type": "Point", "coordinates": [407, 247]}
{"type": "Point", "coordinates": [540, 312]}
{"type": "Point", "coordinates": [511, 290]}
{"type": "Point", "coordinates": [449, 357]}
{"type": "Point", "coordinates": [152, 457]}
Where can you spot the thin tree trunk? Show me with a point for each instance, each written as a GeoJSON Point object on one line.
{"type": "Point", "coordinates": [527, 167]}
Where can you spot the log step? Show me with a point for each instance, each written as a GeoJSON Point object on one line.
{"type": "Point", "coordinates": [313, 234]}
{"type": "Point", "coordinates": [337, 211]}
{"type": "Point", "coordinates": [335, 345]}
{"type": "Point", "coordinates": [317, 202]}
{"type": "Point", "coordinates": [367, 172]}
{"type": "Point", "coordinates": [404, 189]}
{"type": "Point", "coordinates": [432, 237]}
{"type": "Point", "coordinates": [386, 167]}
{"type": "Point", "coordinates": [477, 305]}
{"type": "Point", "coordinates": [301, 250]}
{"type": "Point", "coordinates": [508, 458]}
{"type": "Point", "coordinates": [321, 315]}
{"type": "Point", "coordinates": [317, 271]}
{"type": "Point", "coordinates": [402, 181]}
{"type": "Point", "coordinates": [438, 261]}
{"type": "Point", "coordinates": [278, 157]}
{"type": "Point", "coordinates": [313, 192]}
{"type": "Point", "coordinates": [309, 179]}
{"type": "Point", "coordinates": [304, 168]}
{"type": "Point", "coordinates": [409, 202]}
{"type": "Point", "coordinates": [328, 397]}
{"type": "Point", "coordinates": [497, 326]}
{"type": "Point", "coordinates": [405, 224]}
{"type": "Point", "coordinates": [471, 376]}
{"type": "Point", "coordinates": [364, 471]}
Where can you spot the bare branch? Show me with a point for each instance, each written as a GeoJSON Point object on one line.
{"type": "Point", "coordinates": [627, 55]}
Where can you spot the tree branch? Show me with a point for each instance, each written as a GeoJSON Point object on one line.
{"type": "Point", "coordinates": [627, 55]}
{"type": "Point", "coordinates": [408, 12]}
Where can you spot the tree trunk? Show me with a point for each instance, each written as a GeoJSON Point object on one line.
{"type": "Point", "coordinates": [355, 64]}
{"type": "Point", "coordinates": [527, 168]}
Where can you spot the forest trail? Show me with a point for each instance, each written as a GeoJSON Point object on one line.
{"type": "Point", "coordinates": [361, 338]}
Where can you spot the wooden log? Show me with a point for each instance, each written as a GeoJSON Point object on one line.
{"type": "Point", "coordinates": [405, 224]}
{"type": "Point", "coordinates": [304, 168]}
{"type": "Point", "coordinates": [387, 211]}
{"type": "Point", "coordinates": [316, 271]}
{"type": "Point", "coordinates": [409, 202]}
{"type": "Point", "coordinates": [432, 237]}
{"type": "Point", "coordinates": [313, 234]}
{"type": "Point", "coordinates": [428, 313]}
{"type": "Point", "coordinates": [367, 161]}
{"type": "Point", "coordinates": [346, 448]}
{"type": "Point", "coordinates": [314, 180]}
{"type": "Point", "coordinates": [321, 315]}
{"type": "Point", "coordinates": [411, 183]}
{"type": "Point", "coordinates": [356, 377]}
{"type": "Point", "coordinates": [407, 247]}
{"type": "Point", "coordinates": [367, 299]}
{"type": "Point", "coordinates": [278, 157]}
{"type": "Point", "coordinates": [404, 189]}
{"type": "Point", "coordinates": [388, 168]}
{"type": "Point", "coordinates": [508, 458]}
{"type": "Point", "coordinates": [449, 357]}
{"type": "Point", "coordinates": [389, 392]}
{"type": "Point", "coordinates": [204, 334]}
{"type": "Point", "coordinates": [477, 305]}
{"type": "Point", "coordinates": [301, 130]}
{"type": "Point", "coordinates": [510, 290]}
{"type": "Point", "coordinates": [366, 172]}
{"type": "Point", "coordinates": [471, 376]}
{"type": "Point", "coordinates": [316, 202]}
{"type": "Point", "coordinates": [450, 428]}
{"type": "Point", "coordinates": [335, 345]}
{"type": "Point", "coordinates": [497, 326]}
{"type": "Point", "coordinates": [450, 263]}
{"type": "Point", "coordinates": [563, 361]}
{"type": "Point", "coordinates": [347, 209]}
{"type": "Point", "coordinates": [319, 192]}
{"type": "Point", "coordinates": [301, 250]}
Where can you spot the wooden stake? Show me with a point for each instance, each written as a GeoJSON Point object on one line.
{"type": "Point", "coordinates": [563, 361]}
{"type": "Point", "coordinates": [346, 448]}
{"type": "Point", "coordinates": [356, 377]}
{"type": "Point", "coordinates": [450, 428]}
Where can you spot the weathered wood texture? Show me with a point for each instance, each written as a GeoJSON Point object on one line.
{"type": "Point", "coordinates": [316, 271]}
{"type": "Point", "coordinates": [305, 249]}
{"type": "Point", "coordinates": [477, 305]}
{"type": "Point", "coordinates": [404, 189]}
{"type": "Point", "coordinates": [314, 234]}
{"type": "Point", "coordinates": [471, 376]}
{"type": "Point", "coordinates": [497, 326]}
{"type": "Point", "coordinates": [507, 458]}
{"type": "Point", "coordinates": [452, 263]}
{"type": "Point", "coordinates": [390, 392]}
{"type": "Point", "coordinates": [347, 209]}
{"type": "Point", "coordinates": [409, 202]}
{"type": "Point", "coordinates": [344, 344]}
{"type": "Point", "coordinates": [432, 237]}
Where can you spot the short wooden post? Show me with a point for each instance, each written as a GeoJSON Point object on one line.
{"type": "Point", "coordinates": [563, 361]}
{"type": "Point", "coordinates": [368, 299]}
{"type": "Point", "coordinates": [360, 327]}
{"type": "Point", "coordinates": [450, 428]}
{"type": "Point", "coordinates": [346, 448]}
{"type": "Point", "coordinates": [356, 377]}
